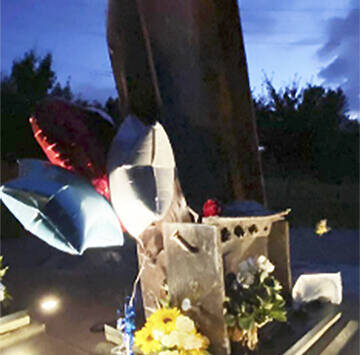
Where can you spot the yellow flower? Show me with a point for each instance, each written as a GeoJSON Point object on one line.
{"type": "Point", "coordinates": [163, 319]}
{"type": "Point", "coordinates": [145, 341]}
{"type": "Point", "coordinates": [193, 352]}
{"type": "Point", "coordinates": [322, 227]}
{"type": "Point", "coordinates": [197, 352]}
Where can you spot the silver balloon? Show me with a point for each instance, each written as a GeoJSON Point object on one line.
{"type": "Point", "coordinates": [61, 208]}
{"type": "Point", "coordinates": [141, 168]}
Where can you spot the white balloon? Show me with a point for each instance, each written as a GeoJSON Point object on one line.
{"type": "Point", "coordinates": [142, 171]}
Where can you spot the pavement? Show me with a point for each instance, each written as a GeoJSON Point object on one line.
{"type": "Point", "coordinates": [93, 286]}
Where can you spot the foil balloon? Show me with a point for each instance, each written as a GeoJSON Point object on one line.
{"type": "Point", "coordinates": [61, 208]}
{"type": "Point", "coordinates": [142, 172]}
{"type": "Point", "coordinates": [75, 138]}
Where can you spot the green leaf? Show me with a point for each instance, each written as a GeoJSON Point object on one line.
{"type": "Point", "coordinates": [260, 316]}
{"type": "Point", "coordinates": [263, 276]}
{"type": "Point", "coordinates": [277, 285]}
{"type": "Point", "coordinates": [246, 322]}
{"type": "Point", "coordinates": [3, 272]}
{"type": "Point", "coordinates": [278, 297]}
{"type": "Point", "coordinates": [268, 305]}
{"type": "Point", "coordinates": [279, 316]}
{"type": "Point", "coordinates": [260, 300]}
{"type": "Point", "coordinates": [230, 320]}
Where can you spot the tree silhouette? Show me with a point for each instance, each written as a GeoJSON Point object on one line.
{"type": "Point", "coordinates": [307, 131]}
{"type": "Point", "coordinates": [30, 80]}
{"type": "Point", "coordinates": [62, 92]}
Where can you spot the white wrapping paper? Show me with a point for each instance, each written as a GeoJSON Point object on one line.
{"type": "Point", "coordinates": [311, 287]}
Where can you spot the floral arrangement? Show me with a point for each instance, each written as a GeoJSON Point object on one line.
{"type": "Point", "coordinates": [168, 332]}
{"type": "Point", "coordinates": [253, 299]}
{"type": "Point", "coordinates": [3, 293]}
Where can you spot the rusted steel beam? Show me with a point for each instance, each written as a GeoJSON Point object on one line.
{"type": "Point", "coordinates": [246, 173]}
{"type": "Point", "coordinates": [131, 59]}
{"type": "Point", "coordinates": [183, 62]}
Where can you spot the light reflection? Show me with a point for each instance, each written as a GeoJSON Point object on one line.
{"type": "Point", "coordinates": [49, 304]}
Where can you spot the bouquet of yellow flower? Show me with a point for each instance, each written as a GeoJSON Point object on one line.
{"type": "Point", "coordinates": [168, 332]}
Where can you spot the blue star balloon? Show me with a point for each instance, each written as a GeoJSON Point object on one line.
{"type": "Point", "coordinates": [61, 208]}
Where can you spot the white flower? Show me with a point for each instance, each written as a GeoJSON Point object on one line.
{"type": "Point", "coordinates": [184, 336]}
{"type": "Point", "coordinates": [243, 267]}
{"type": "Point", "coordinates": [157, 334]}
{"type": "Point", "coordinates": [264, 264]}
{"type": "Point", "coordinates": [185, 324]}
{"type": "Point", "coordinates": [171, 340]}
{"type": "Point", "coordinates": [246, 266]}
{"type": "Point", "coordinates": [246, 279]}
{"type": "Point", "coordinates": [2, 292]}
{"type": "Point", "coordinates": [246, 274]}
{"type": "Point", "coordinates": [186, 305]}
{"type": "Point", "coordinates": [191, 341]}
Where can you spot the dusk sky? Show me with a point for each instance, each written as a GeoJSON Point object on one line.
{"type": "Point", "coordinates": [313, 41]}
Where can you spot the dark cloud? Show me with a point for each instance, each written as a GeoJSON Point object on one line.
{"type": "Point", "coordinates": [342, 49]}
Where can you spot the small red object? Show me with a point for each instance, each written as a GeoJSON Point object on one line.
{"type": "Point", "coordinates": [211, 208]}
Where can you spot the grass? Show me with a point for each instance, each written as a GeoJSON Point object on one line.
{"type": "Point", "coordinates": [311, 200]}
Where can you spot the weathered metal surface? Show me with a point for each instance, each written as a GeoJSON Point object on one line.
{"type": "Point", "coordinates": [245, 163]}
{"type": "Point", "coordinates": [131, 60]}
{"type": "Point", "coordinates": [244, 237]}
{"type": "Point", "coordinates": [195, 271]}
{"type": "Point", "coordinates": [279, 253]}
{"type": "Point", "coordinates": [184, 63]}
{"type": "Point", "coordinates": [151, 256]}
{"type": "Point", "coordinates": [151, 259]}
